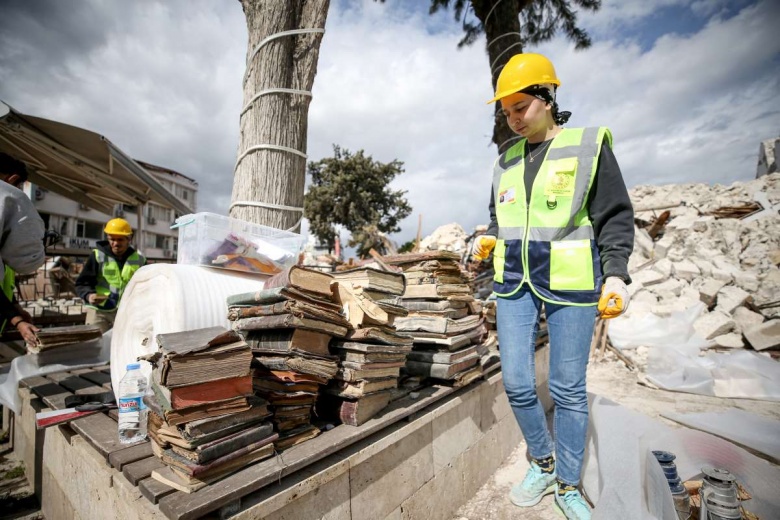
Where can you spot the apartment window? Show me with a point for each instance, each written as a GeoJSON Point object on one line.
{"type": "Point", "coordinates": [160, 241]}
{"type": "Point", "coordinates": [150, 239]}
{"type": "Point", "coordinates": [87, 229]}
{"type": "Point", "coordinates": [63, 226]}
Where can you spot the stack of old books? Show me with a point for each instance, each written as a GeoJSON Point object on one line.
{"type": "Point", "coordinates": [204, 421]}
{"type": "Point", "coordinates": [489, 358]}
{"type": "Point", "coordinates": [372, 354]}
{"type": "Point", "coordinates": [288, 326]}
{"type": "Point", "coordinates": [444, 318]}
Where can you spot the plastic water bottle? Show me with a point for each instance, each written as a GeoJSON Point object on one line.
{"type": "Point", "coordinates": [132, 410]}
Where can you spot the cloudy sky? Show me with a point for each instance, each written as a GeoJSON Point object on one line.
{"type": "Point", "coordinates": [689, 88]}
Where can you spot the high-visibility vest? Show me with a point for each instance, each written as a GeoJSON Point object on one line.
{"type": "Point", "coordinates": [549, 244]}
{"type": "Point", "coordinates": [9, 278]}
{"type": "Point", "coordinates": [112, 280]}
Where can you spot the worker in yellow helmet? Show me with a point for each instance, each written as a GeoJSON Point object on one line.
{"type": "Point", "coordinates": [561, 231]}
{"type": "Point", "coordinates": [107, 272]}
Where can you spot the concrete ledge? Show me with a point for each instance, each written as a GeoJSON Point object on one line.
{"type": "Point", "coordinates": [423, 467]}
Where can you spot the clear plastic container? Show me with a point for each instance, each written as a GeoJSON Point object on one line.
{"type": "Point", "coordinates": [133, 413]}
{"type": "Point", "coordinates": [218, 241]}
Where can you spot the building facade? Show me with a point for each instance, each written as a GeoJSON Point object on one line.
{"type": "Point", "coordinates": [81, 227]}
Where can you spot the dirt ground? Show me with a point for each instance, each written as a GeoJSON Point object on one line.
{"type": "Point", "coordinates": [609, 378]}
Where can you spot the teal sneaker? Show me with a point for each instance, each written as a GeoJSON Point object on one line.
{"type": "Point", "coordinates": [534, 486]}
{"type": "Point", "coordinates": [571, 505]}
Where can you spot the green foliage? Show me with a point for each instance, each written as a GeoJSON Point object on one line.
{"type": "Point", "coordinates": [352, 190]}
{"type": "Point", "coordinates": [407, 247]}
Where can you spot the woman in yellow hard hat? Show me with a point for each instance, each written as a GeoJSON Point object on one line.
{"type": "Point", "coordinates": [107, 272]}
{"type": "Point", "coordinates": [561, 231]}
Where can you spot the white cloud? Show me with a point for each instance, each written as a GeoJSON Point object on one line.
{"type": "Point", "coordinates": [163, 81]}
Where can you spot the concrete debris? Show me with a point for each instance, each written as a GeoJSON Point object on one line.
{"type": "Point", "coordinates": [719, 245]}
{"type": "Point", "coordinates": [450, 237]}
{"type": "Point", "coordinates": [764, 336]}
{"type": "Point", "coordinates": [768, 152]}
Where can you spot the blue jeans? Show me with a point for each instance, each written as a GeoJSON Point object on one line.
{"type": "Point", "coordinates": [570, 329]}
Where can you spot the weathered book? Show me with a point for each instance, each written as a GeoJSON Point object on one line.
{"type": "Point", "coordinates": [288, 411]}
{"type": "Point", "coordinates": [54, 337]}
{"type": "Point", "coordinates": [373, 280]}
{"type": "Point", "coordinates": [437, 324]}
{"type": "Point", "coordinates": [221, 424]}
{"type": "Point", "coordinates": [288, 341]}
{"type": "Point", "coordinates": [199, 356]}
{"type": "Point", "coordinates": [294, 307]}
{"type": "Point", "coordinates": [221, 447]}
{"type": "Point", "coordinates": [453, 314]}
{"type": "Point", "coordinates": [275, 398]}
{"type": "Point", "coordinates": [371, 366]}
{"type": "Point", "coordinates": [357, 412]}
{"type": "Point", "coordinates": [352, 375]}
{"type": "Point", "coordinates": [339, 347]}
{"type": "Point", "coordinates": [238, 458]}
{"type": "Point", "coordinates": [413, 258]}
{"type": "Point", "coordinates": [361, 388]}
{"type": "Point", "coordinates": [181, 397]}
{"type": "Point", "coordinates": [359, 309]}
{"type": "Point", "coordinates": [422, 277]}
{"type": "Point", "coordinates": [194, 413]}
{"type": "Point", "coordinates": [433, 356]}
{"type": "Point", "coordinates": [433, 305]}
{"type": "Point", "coordinates": [285, 424]}
{"type": "Point", "coordinates": [290, 321]}
{"type": "Point", "coordinates": [432, 290]}
{"type": "Point", "coordinates": [288, 376]}
{"type": "Point", "coordinates": [427, 340]}
{"type": "Point", "coordinates": [296, 436]}
{"type": "Point", "coordinates": [278, 294]}
{"type": "Point", "coordinates": [383, 335]}
{"type": "Point", "coordinates": [299, 363]}
{"type": "Point", "coordinates": [467, 376]}
{"type": "Point", "coordinates": [372, 357]}
{"type": "Point", "coordinates": [166, 475]}
{"type": "Point", "coordinates": [276, 385]}
{"type": "Point", "coordinates": [308, 280]}
{"type": "Point", "coordinates": [440, 370]}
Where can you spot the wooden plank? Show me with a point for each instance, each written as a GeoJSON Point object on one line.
{"type": "Point", "coordinates": [99, 378]}
{"type": "Point", "coordinates": [80, 386]}
{"type": "Point", "coordinates": [101, 432]}
{"type": "Point", "coordinates": [52, 394]}
{"type": "Point", "coordinates": [137, 471]}
{"type": "Point", "coordinates": [154, 490]}
{"type": "Point", "coordinates": [183, 506]}
{"type": "Point", "coordinates": [120, 458]}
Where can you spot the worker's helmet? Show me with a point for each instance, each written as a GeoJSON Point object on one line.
{"type": "Point", "coordinates": [522, 71]}
{"type": "Point", "coordinates": [118, 226]}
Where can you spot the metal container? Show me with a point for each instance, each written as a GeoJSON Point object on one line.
{"type": "Point", "coordinates": [719, 500]}
{"type": "Point", "coordinates": [682, 501]}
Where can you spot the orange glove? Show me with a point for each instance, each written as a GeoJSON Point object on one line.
{"type": "Point", "coordinates": [482, 247]}
{"type": "Point", "coordinates": [614, 298]}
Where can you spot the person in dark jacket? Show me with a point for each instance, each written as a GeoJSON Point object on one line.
{"type": "Point", "coordinates": [107, 272]}
{"type": "Point", "coordinates": [561, 231]}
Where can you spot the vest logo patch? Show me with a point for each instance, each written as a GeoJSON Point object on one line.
{"type": "Point", "coordinates": [560, 179]}
{"type": "Point", "coordinates": [507, 196]}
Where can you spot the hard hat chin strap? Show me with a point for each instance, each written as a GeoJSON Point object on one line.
{"type": "Point", "coordinates": [547, 94]}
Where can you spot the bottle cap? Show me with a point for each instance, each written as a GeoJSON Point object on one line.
{"type": "Point", "coordinates": [134, 366]}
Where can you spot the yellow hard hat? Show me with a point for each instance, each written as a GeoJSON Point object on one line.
{"type": "Point", "coordinates": [118, 226]}
{"type": "Point", "coordinates": [522, 71]}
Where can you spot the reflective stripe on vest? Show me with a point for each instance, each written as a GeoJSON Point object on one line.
{"type": "Point", "coordinates": [549, 244]}
{"type": "Point", "coordinates": [110, 279]}
{"type": "Point", "coordinates": [9, 279]}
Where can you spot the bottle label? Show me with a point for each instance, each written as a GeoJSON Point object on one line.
{"type": "Point", "coordinates": [131, 404]}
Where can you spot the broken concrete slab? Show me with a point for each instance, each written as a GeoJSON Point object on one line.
{"type": "Point", "coordinates": [709, 289]}
{"type": "Point", "coordinates": [764, 336]}
{"type": "Point", "coordinates": [730, 340]}
{"type": "Point", "coordinates": [713, 324]}
{"type": "Point", "coordinates": [663, 246]}
{"type": "Point", "coordinates": [730, 297]}
{"type": "Point", "coordinates": [685, 270]}
{"type": "Point", "coordinates": [648, 277]}
{"type": "Point", "coordinates": [746, 319]}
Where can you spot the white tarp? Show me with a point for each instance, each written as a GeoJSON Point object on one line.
{"type": "Point", "coordinates": [620, 477]}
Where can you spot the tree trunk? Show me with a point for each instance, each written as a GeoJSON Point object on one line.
{"type": "Point", "coordinates": [272, 176]}
{"type": "Point", "coordinates": [503, 41]}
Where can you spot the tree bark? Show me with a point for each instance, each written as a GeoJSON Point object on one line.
{"type": "Point", "coordinates": [503, 41]}
{"type": "Point", "coordinates": [266, 175]}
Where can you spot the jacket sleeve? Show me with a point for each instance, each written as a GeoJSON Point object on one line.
{"type": "Point", "coordinates": [493, 226]}
{"type": "Point", "coordinates": [612, 214]}
{"type": "Point", "coordinates": [87, 280]}
{"type": "Point", "coordinates": [21, 241]}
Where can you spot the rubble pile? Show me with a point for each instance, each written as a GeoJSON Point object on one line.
{"type": "Point", "coordinates": [719, 245]}
{"type": "Point", "coordinates": [449, 237]}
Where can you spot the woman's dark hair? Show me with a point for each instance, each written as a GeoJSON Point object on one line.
{"type": "Point", "coordinates": [10, 166]}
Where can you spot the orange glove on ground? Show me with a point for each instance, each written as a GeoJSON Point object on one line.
{"type": "Point", "coordinates": [482, 247]}
{"type": "Point", "coordinates": [614, 298]}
